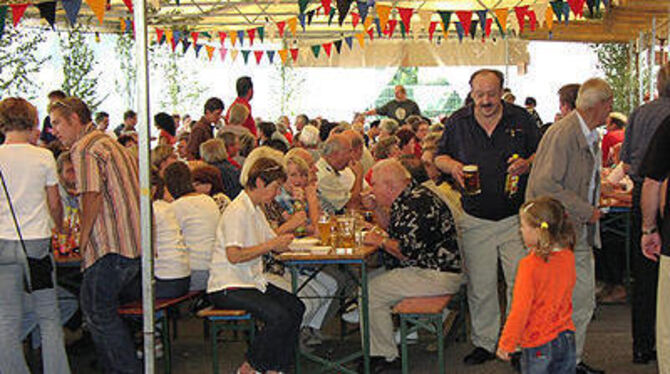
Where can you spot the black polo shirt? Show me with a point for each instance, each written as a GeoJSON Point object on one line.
{"type": "Point", "coordinates": [656, 166]}
{"type": "Point", "coordinates": [466, 141]}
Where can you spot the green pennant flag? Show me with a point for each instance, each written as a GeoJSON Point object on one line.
{"type": "Point", "coordinates": [315, 50]}
{"type": "Point", "coordinates": [261, 33]}
{"type": "Point", "coordinates": [402, 29]}
{"type": "Point", "coordinates": [446, 18]}
{"type": "Point", "coordinates": [303, 5]}
{"type": "Point", "coordinates": [3, 15]}
{"type": "Point", "coordinates": [206, 34]}
{"type": "Point", "coordinates": [245, 55]}
{"type": "Point", "coordinates": [500, 28]}
{"type": "Point", "coordinates": [330, 16]}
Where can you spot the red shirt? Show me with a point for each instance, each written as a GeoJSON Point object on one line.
{"type": "Point", "coordinates": [250, 124]}
{"type": "Point", "coordinates": [611, 139]}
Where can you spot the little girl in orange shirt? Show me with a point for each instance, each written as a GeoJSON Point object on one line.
{"type": "Point", "coordinates": [540, 318]}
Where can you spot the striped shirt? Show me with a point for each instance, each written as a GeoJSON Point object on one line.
{"type": "Point", "coordinates": [102, 165]}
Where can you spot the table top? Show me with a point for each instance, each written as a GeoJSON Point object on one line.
{"type": "Point", "coordinates": [360, 253]}
{"type": "Point", "coordinates": [71, 259]}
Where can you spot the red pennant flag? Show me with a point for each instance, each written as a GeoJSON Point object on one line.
{"type": "Point", "coordinates": [371, 32]}
{"type": "Point", "coordinates": [431, 30]}
{"type": "Point", "coordinates": [355, 18]}
{"type": "Point", "coordinates": [521, 17]}
{"type": "Point", "coordinates": [326, 7]}
{"type": "Point", "coordinates": [406, 16]}
{"type": "Point", "coordinates": [159, 35]}
{"type": "Point", "coordinates": [222, 52]}
{"type": "Point", "coordinates": [465, 16]}
{"type": "Point", "coordinates": [533, 19]}
{"type": "Point", "coordinates": [577, 7]}
{"type": "Point", "coordinates": [487, 28]}
{"type": "Point", "coordinates": [194, 37]}
{"type": "Point", "coordinates": [252, 35]}
{"type": "Point", "coordinates": [327, 47]}
{"type": "Point", "coordinates": [392, 25]}
{"type": "Point", "coordinates": [259, 56]}
{"type": "Point", "coordinates": [294, 54]}
{"type": "Point", "coordinates": [280, 26]}
{"type": "Point", "coordinates": [173, 43]}
{"type": "Point", "coordinates": [222, 37]}
{"type": "Point", "coordinates": [17, 12]}
{"type": "Point", "coordinates": [129, 4]}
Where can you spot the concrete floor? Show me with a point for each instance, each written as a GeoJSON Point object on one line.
{"type": "Point", "coordinates": [608, 347]}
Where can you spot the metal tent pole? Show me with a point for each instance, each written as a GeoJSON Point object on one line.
{"type": "Point", "coordinates": [144, 121]}
{"type": "Point", "coordinates": [507, 60]}
{"type": "Point", "coordinates": [631, 69]}
{"type": "Point", "coordinates": [640, 73]}
{"type": "Point", "coordinates": [652, 58]}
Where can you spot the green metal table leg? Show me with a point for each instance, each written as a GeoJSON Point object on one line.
{"type": "Point", "coordinates": [214, 331]}
{"type": "Point", "coordinates": [403, 345]}
{"type": "Point", "coordinates": [365, 318]}
{"type": "Point", "coordinates": [294, 287]}
{"type": "Point", "coordinates": [627, 277]}
{"type": "Point", "coordinates": [166, 344]}
{"type": "Point", "coordinates": [440, 342]}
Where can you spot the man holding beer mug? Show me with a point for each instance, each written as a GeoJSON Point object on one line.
{"type": "Point", "coordinates": [487, 148]}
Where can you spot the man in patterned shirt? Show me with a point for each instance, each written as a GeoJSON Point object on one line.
{"type": "Point", "coordinates": [424, 257]}
{"type": "Point", "coordinates": [107, 183]}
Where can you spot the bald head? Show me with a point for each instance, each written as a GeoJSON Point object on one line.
{"type": "Point", "coordinates": [389, 179]}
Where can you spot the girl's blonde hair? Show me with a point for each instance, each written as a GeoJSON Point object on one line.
{"type": "Point", "coordinates": [555, 230]}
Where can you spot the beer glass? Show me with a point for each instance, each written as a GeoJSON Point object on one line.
{"type": "Point", "coordinates": [471, 180]}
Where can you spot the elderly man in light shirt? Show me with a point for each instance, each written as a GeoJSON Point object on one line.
{"type": "Point", "coordinates": [338, 186]}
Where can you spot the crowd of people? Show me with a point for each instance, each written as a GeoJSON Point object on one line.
{"type": "Point", "coordinates": [489, 187]}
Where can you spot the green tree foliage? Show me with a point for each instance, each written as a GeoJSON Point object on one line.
{"type": "Point", "coordinates": [19, 60]}
{"type": "Point", "coordinates": [406, 76]}
{"type": "Point", "coordinates": [79, 64]}
{"type": "Point", "coordinates": [287, 88]}
{"type": "Point", "coordinates": [184, 91]}
{"type": "Point", "coordinates": [613, 60]}
{"type": "Point", "coordinates": [126, 84]}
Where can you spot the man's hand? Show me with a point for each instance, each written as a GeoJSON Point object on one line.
{"type": "Point", "coordinates": [281, 242]}
{"type": "Point", "coordinates": [518, 166]}
{"type": "Point", "coordinates": [502, 354]}
{"type": "Point", "coordinates": [456, 171]}
{"type": "Point", "coordinates": [651, 246]}
{"type": "Point", "coordinates": [373, 238]}
{"type": "Point", "coordinates": [595, 216]}
{"type": "Point", "coordinates": [368, 200]}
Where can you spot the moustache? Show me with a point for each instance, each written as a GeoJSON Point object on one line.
{"type": "Point", "coordinates": [487, 105]}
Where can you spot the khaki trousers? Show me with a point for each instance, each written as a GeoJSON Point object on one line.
{"type": "Point", "coordinates": [663, 317]}
{"type": "Point", "coordinates": [484, 242]}
{"type": "Point", "coordinates": [583, 295]}
{"type": "Point", "coordinates": [387, 289]}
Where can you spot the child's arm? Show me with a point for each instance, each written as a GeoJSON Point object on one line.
{"type": "Point", "coordinates": [524, 290]}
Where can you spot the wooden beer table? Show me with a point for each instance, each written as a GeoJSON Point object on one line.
{"type": "Point", "coordinates": [295, 260]}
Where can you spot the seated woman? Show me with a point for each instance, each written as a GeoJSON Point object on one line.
{"type": "Point", "coordinates": [168, 130]}
{"type": "Point", "coordinates": [236, 278]}
{"type": "Point", "coordinates": [197, 215]}
{"type": "Point", "coordinates": [171, 265]}
{"type": "Point", "coordinates": [207, 180]}
{"type": "Point", "coordinates": [162, 156]}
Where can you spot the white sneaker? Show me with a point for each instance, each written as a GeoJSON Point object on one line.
{"type": "Point", "coordinates": [351, 316]}
{"type": "Point", "coordinates": [412, 338]}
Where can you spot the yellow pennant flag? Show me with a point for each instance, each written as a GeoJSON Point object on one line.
{"type": "Point", "coordinates": [383, 12]}
{"type": "Point", "coordinates": [549, 18]}
{"type": "Point", "coordinates": [283, 54]}
{"type": "Point", "coordinates": [168, 36]}
{"type": "Point", "coordinates": [293, 25]}
{"type": "Point", "coordinates": [233, 37]}
{"type": "Point", "coordinates": [540, 10]}
{"type": "Point", "coordinates": [98, 8]}
{"type": "Point", "coordinates": [501, 15]}
{"type": "Point", "coordinates": [233, 54]}
{"type": "Point", "coordinates": [156, 4]}
{"type": "Point", "coordinates": [210, 51]}
{"type": "Point", "coordinates": [361, 39]}
{"type": "Point", "coordinates": [122, 24]}
{"type": "Point", "coordinates": [424, 19]}
{"type": "Point", "coordinates": [367, 23]}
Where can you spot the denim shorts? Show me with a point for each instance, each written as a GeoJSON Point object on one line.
{"type": "Point", "coordinates": [559, 356]}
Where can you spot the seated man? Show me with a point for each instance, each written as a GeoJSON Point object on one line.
{"type": "Point", "coordinates": [338, 186]}
{"type": "Point", "coordinates": [421, 254]}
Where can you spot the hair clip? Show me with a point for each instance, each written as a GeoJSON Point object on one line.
{"type": "Point", "coordinates": [544, 225]}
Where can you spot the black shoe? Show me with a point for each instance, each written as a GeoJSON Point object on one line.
{"type": "Point", "coordinates": [515, 361]}
{"type": "Point", "coordinates": [643, 358]}
{"type": "Point", "coordinates": [583, 368]}
{"type": "Point", "coordinates": [478, 356]}
{"type": "Point", "coordinates": [378, 364]}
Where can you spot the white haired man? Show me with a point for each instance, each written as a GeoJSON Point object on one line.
{"type": "Point", "coordinates": [337, 190]}
{"type": "Point", "coordinates": [567, 167]}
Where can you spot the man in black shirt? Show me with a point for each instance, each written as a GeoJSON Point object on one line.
{"type": "Point", "coordinates": [399, 109]}
{"type": "Point", "coordinates": [656, 246]}
{"type": "Point", "coordinates": [500, 139]}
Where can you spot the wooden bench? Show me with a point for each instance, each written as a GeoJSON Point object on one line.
{"type": "Point", "coordinates": [162, 315]}
{"type": "Point", "coordinates": [422, 313]}
{"type": "Point", "coordinates": [220, 319]}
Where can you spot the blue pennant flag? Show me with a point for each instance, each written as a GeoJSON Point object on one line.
{"type": "Point", "coordinates": [482, 20]}
{"type": "Point", "coordinates": [460, 31]}
{"type": "Point", "coordinates": [362, 9]}
{"type": "Point", "coordinates": [240, 36]}
{"type": "Point", "coordinates": [197, 48]}
{"type": "Point", "coordinates": [271, 55]}
{"type": "Point", "coordinates": [301, 18]}
{"type": "Point", "coordinates": [379, 27]}
{"type": "Point", "coordinates": [72, 8]}
{"type": "Point", "coordinates": [185, 43]}
{"type": "Point", "coordinates": [176, 35]}
{"type": "Point", "coordinates": [350, 41]}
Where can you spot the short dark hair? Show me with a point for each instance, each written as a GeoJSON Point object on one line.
{"type": "Point", "coordinates": [72, 105]}
{"type": "Point", "coordinates": [165, 122]}
{"type": "Point", "coordinates": [243, 86]}
{"type": "Point", "coordinates": [268, 170]}
{"type": "Point", "coordinates": [17, 114]}
{"type": "Point", "coordinates": [375, 123]}
{"type": "Point", "coordinates": [325, 129]}
{"type": "Point", "coordinates": [278, 145]}
{"type": "Point", "coordinates": [129, 114]}
{"type": "Point", "coordinates": [568, 95]}
{"type": "Point", "coordinates": [209, 174]}
{"type": "Point", "coordinates": [100, 115]}
{"type": "Point", "coordinates": [497, 73]}
{"type": "Point", "coordinates": [304, 117]}
{"type": "Point", "coordinates": [405, 136]}
{"type": "Point", "coordinates": [56, 94]}
{"type": "Point", "coordinates": [178, 179]}
{"type": "Point", "coordinates": [267, 128]}
{"type": "Point", "coordinates": [530, 101]}
{"type": "Point", "coordinates": [124, 139]}
{"type": "Point", "coordinates": [213, 104]}
{"type": "Point", "coordinates": [159, 183]}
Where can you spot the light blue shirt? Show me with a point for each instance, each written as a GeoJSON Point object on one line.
{"type": "Point", "coordinates": [592, 138]}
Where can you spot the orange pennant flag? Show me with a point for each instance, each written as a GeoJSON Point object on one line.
{"type": "Point", "coordinates": [233, 38]}
{"type": "Point", "coordinates": [293, 25]}
{"type": "Point", "coordinates": [283, 54]}
{"type": "Point", "coordinates": [549, 18]}
{"type": "Point", "coordinates": [501, 15]}
{"type": "Point", "coordinates": [367, 23]}
{"type": "Point", "coordinates": [233, 54]}
{"type": "Point", "coordinates": [168, 36]}
{"type": "Point", "coordinates": [383, 12]}
{"type": "Point", "coordinates": [445, 33]}
{"type": "Point", "coordinates": [361, 39]}
{"type": "Point", "coordinates": [210, 51]}
{"type": "Point", "coordinates": [122, 24]}
{"type": "Point", "coordinates": [98, 8]}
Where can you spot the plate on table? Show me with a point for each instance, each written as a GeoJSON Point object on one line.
{"type": "Point", "coordinates": [320, 249]}
{"type": "Point", "coordinates": [303, 244]}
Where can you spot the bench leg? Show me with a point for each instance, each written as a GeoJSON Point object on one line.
{"type": "Point", "coordinates": [437, 320]}
{"type": "Point", "coordinates": [404, 357]}
{"type": "Point", "coordinates": [214, 330]}
{"type": "Point", "coordinates": [167, 349]}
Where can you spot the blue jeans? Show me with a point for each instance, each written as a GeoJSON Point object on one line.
{"type": "Point", "coordinates": [199, 280]}
{"type": "Point", "coordinates": [172, 288]}
{"type": "Point", "coordinates": [68, 304]}
{"type": "Point", "coordinates": [111, 281]}
{"type": "Point", "coordinates": [559, 356]}
{"type": "Point", "coordinates": [44, 304]}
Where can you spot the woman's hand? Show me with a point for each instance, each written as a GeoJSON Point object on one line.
{"type": "Point", "coordinates": [502, 355]}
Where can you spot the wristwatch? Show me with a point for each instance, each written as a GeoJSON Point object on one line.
{"type": "Point", "coordinates": [650, 231]}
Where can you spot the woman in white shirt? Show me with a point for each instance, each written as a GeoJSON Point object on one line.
{"type": "Point", "coordinates": [31, 180]}
{"type": "Point", "coordinates": [171, 265]}
{"type": "Point", "coordinates": [236, 272]}
{"type": "Point", "coordinates": [197, 215]}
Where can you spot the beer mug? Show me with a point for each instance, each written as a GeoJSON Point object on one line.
{"type": "Point", "coordinates": [346, 230]}
{"type": "Point", "coordinates": [324, 226]}
{"type": "Point", "coordinates": [471, 180]}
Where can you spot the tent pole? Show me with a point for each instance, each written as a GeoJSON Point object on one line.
{"type": "Point", "coordinates": [652, 58]}
{"type": "Point", "coordinates": [640, 73]}
{"type": "Point", "coordinates": [507, 61]}
{"type": "Point", "coordinates": [144, 120]}
{"type": "Point", "coordinates": [631, 79]}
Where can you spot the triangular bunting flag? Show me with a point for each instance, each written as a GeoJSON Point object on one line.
{"type": "Point", "coordinates": [222, 53]}
{"type": "Point", "coordinates": [577, 7]}
{"type": "Point", "coordinates": [487, 28]}
{"type": "Point", "coordinates": [327, 47]}
{"type": "Point", "coordinates": [361, 39]}
{"type": "Point", "coordinates": [197, 48]}
{"type": "Point", "coordinates": [350, 42]}
{"type": "Point", "coordinates": [177, 35]}
{"type": "Point", "coordinates": [315, 50]}
{"type": "Point", "coordinates": [233, 37]}
{"type": "Point", "coordinates": [3, 15]}
{"type": "Point", "coordinates": [222, 37]}
{"type": "Point", "coordinates": [473, 30]}
{"type": "Point", "coordinates": [210, 51]}
{"type": "Point", "coordinates": [482, 19]}
{"type": "Point", "coordinates": [549, 18]}
{"type": "Point", "coordinates": [532, 17]}
{"type": "Point", "coordinates": [98, 8]}
{"type": "Point", "coordinates": [259, 56]}
{"type": "Point", "coordinates": [383, 12]}
{"type": "Point", "coordinates": [206, 34]}
{"type": "Point", "coordinates": [371, 33]}
{"type": "Point", "coordinates": [194, 36]}
{"type": "Point", "coordinates": [301, 18]}
{"type": "Point", "coordinates": [271, 56]}
{"type": "Point", "coordinates": [343, 7]}
{"type": "Point", "coordinates": [129, 5]}
{"type": "Point", "coordinates": [355, 18]}
{"type": "Point", "coordinates": [431, 30]}
{"type": "Point", "coordinates": [283, 54]}
{"type": "Point", "coordinates": [566, 12]}
{"type": "Point", "coordinates": [293, 26]}
{"type": "Point", "coordinates": [233, 54]}
{"type": "Point", "coordinates": [17, 12]}
{"type": "Point", "coordinates": [326, 6]}
{"type": "Point", "coordinates": [185, 43]}
{"type": "Point", "coordinates": [540, 10]}
{"type": "Point", "coordinates": [425, 17]}
{"type": "Point", "coordinates": [557, 7]}
{"type": "Point", "coordinates": [280, 28]}
{"type": "Point", "coordinates": [245, 55]}
{"type": "Point", "coordinates": [445, 16]}
{"type": "Point", "coordinates": [521, 16]}
{"type": "Point", "coordinates": [173, 44]}
{"type": "Point", "coordinates": [252, 35]}
{"type": "Point", "coordinates": [392, 25]}
{"type": "Point", "coordinates": [310, 15]}
{"type": "Point", "coordinates": [294, 54]}
{"type": "Point", "coordinates": [338, 46]}
{"type": "Point", "coordinates": [378, 26]}
{"type": "Point", "coordinates": [168, 36]}
{"type": "Point", "coordinates": [459, 31]}
{"type": "Point", "coordinates": [367, 23]}
{"type": "Point", "coordinates": [501, 19]}
{"type": "Point", "coordinates": [261, 33]}
{"type": "Point", "coordinates": [331, 15]}
{"type": "Point", "coordinates": [406, 17]}
{"type": "Point", "coordinates": [465, 16]}
{"type": "Point", "coordinates": [362, 7]}
{"type": "Point", "coordinates": [48, 12]}
{"type": "Point", "coordinates": [159, 35]}
{"type": "Point", "coordinates": [302, 5]}
{"type": "Point", "coordinates": [240, 37]}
